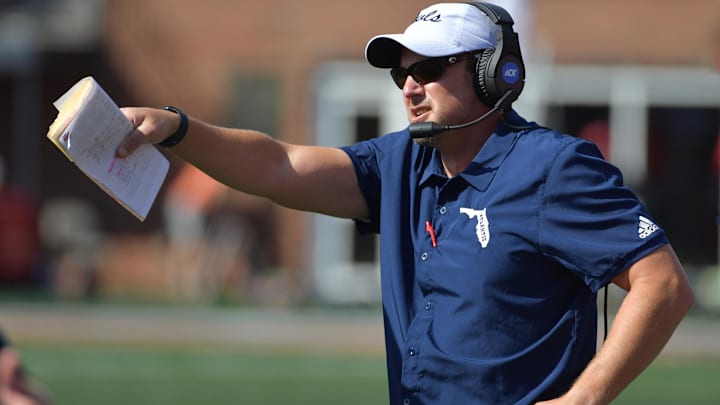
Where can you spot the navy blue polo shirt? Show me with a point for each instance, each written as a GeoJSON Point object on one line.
{"type": "Point", "coordinates": [489, 279]}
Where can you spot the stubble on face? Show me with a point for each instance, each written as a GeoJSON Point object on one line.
{"type": "Point", "coordinates": [430, 141]}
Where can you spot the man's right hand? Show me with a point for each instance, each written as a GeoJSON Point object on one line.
{"type": "Point", "coordinates": [151, 125]}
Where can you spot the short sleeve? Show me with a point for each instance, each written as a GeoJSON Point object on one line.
{"type": "Point", "coordinates": [591, 222]}
{"type": "Point", "coordinates": [363, 156]}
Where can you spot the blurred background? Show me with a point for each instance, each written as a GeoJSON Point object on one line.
{"type": "Point", "coordinates": [638, 77]}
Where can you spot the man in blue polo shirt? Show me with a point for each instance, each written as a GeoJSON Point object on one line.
{"type": "Point", "coordinates": [496, 233]}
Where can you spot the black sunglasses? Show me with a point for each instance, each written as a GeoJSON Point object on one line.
{"type": "Point", "coordinates": [424, 71]}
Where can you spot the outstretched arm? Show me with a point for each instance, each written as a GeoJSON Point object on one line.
{"type": "Point", "coordinates": [659, 296]}
{"type": "Point", "coordinates": [308, 178]}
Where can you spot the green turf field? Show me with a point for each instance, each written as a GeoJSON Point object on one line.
{"type": "Point", "coordinates": [108, 376]}
{"type": "Point", "coordinates": [77, 376]}
{"type": "Point", "coordinates": [685, 382]}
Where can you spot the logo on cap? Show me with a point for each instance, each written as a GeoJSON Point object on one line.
{"type": "Point", "coordinates": [433, 16]}
{"type": "Point", "coordinates": [511, 72]}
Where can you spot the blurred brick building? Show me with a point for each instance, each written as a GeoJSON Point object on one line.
{"type": "Point", "coordinates": [279, 66]}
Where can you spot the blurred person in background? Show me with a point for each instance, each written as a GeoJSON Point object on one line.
{"type": "Point", "coordinates": [19, 238]}
{"type": "Point", "coordinates": [189, 201]}
{"type": "Point", "coordinates": [212, 246]}
{"type": "Point", "coordinates": [496, 233]}
{"type": "Point", "coordinates": [16, 387]}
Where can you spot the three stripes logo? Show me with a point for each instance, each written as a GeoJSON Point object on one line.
{"type": "Point", "coordinates": [646, 227]}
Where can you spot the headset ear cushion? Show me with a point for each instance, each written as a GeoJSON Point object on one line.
{"type": "Point", "coordinates": [481, 74]}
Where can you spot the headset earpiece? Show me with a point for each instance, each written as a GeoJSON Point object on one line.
{"type": "Point", "coordinates": [501, 69]}
{"type": "Point", "coordinates": [480, 63]}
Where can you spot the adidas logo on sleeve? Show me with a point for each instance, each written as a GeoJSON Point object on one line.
{"type": "Point", "coordinates": [646, 227]}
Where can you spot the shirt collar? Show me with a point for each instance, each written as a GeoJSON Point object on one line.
{"type": "Point", "coordinates": [481, 171]}
{"type": "Point", "coordinates": [434, 169]}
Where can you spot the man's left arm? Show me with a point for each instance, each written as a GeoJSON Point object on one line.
{"type": "Point", "coordinates": [659, 296]}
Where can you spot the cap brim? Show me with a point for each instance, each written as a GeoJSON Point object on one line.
{"type": "Point", "coordinates": [384, 51]}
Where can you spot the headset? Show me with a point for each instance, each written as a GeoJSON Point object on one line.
{"type": "Point", "coordinates": [500, 69]}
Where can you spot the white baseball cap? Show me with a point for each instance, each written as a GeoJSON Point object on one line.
{"type": "Point", "coordinates": [439, 30]}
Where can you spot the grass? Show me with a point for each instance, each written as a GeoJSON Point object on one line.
{"type": "Point", "coordinates": [112, 376]}
{"type": "Point", "coordinates": [131, 375]}
{"type": "Point", "coordinates": [685, 381]}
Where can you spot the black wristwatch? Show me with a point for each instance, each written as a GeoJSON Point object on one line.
{"type": "Point", "coordinates": [178, 136]}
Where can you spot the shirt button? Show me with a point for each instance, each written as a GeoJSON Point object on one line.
{"type": "Point", "coordinates": [428, 306]}
{"type": "Point", "coordinates": [443, 210]}
{"type": "Point", "coordinates": [424, 256]}
{"type": "Point", "coordinates": [412, 352]}
{"type": "Point", "coordinates": [406, 401]}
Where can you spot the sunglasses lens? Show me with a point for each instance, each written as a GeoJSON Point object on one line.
{"type": "Point", "coordinates": [426, 71]}
{"type": "Point", "coordinates": [399, 75]}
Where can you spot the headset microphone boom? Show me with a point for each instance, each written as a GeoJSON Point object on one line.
{"type": "Point", "coordinates": [430, 129]}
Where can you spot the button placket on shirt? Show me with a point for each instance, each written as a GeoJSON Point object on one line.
{"type": "Point", "coordinates": [438, 220]}
{"type": "Point", "coordinates": [413, 368]}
